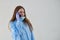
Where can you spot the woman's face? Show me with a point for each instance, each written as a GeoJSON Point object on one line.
{"type": "Point", "coordinates": [21, 11]}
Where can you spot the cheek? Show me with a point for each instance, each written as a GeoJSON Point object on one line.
{"type": "Point", "coordinates": [23, 14]}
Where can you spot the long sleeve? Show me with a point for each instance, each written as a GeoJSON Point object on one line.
{"type": "Point", "coordinates": [21, 29]}
{"type": "Point", "coordinates": [14, 31]}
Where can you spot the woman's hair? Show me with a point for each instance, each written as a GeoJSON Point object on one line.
{"type": "Point", "coordinates": [25, 20]}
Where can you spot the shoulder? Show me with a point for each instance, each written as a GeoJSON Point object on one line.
{"type": "Point", "coordinates": [12, 25]}
{"type": "Point", "coordinates": [12, 22]}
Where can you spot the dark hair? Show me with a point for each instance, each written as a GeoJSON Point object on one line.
{"type": "Point", "coordinates": [25, 20]}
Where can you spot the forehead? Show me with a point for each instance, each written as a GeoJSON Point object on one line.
{"type": "Point", "coordinates": [21, 9]}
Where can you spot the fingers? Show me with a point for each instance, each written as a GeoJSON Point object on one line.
{"type": "Point", "coordinates": [17, 16]}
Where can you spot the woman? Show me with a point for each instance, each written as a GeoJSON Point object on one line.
{"type": "Point", "coordinates": [20, 26]}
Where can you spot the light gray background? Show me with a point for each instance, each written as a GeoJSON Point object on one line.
{"type": "Point", "coordinates": [44, 15]}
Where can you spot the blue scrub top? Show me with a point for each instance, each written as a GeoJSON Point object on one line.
{"type": "Point", "coordinates": [20, 31]}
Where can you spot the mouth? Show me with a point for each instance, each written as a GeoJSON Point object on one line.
{"type": "Point", "coordinates": [21, 15]}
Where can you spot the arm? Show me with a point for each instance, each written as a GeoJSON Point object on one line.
{"type": "Point", "coordinates": [22, 31]}
{"type": "Point", "coordinates": [15, 34]}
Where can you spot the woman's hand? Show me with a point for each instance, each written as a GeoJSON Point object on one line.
{"type": "Point", "coordinates": [17, 16]}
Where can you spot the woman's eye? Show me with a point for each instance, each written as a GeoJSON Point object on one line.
{"type": "Point", "coordinates": [21, 12]}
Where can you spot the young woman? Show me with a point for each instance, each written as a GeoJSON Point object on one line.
{"type": "Point", "coordinates": [19, 25]}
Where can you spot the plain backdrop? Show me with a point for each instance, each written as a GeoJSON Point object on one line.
{"type": "Point", "coordinates": [43, 14]}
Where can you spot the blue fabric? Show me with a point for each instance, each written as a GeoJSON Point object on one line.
{"type": "Point", "coordinates": [20, 31]}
